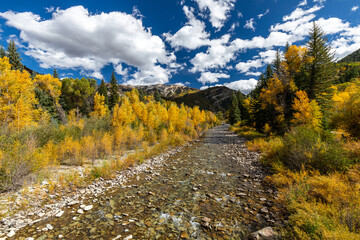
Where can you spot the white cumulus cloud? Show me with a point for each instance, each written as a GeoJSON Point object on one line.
{"type": "Point", "coordinates": [354, 8]}
{"type": "Point", "coordinates": [190, 36]}
{"type": "Point", "coordinates": [218, 10]}
{"type": "Point", "coordinates": [209, 77]}
{"type": "Point", "coordinates": [75, 38]}
{"type": "Point", "coordinates": [245, 86]}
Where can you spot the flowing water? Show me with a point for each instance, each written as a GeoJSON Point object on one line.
{"type": "Point", "coordinates": [212, 189]}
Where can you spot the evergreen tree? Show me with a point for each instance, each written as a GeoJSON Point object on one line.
{"type": "Point", "coordinates": [157, 96]}
{"type": "Point", "coordinates": [277, 63]}
{"type": "Point", "coordinates": [2, 52]}
{"type": "Point", "coordinates": [142, 94]}
{"type": "Point", "coordinates": [286, 47]}
{"type": "Point", "coordinates": [234, 113]}
{"type": "Point", "coordinates": [114, 92]}
{"type": "Point", "coordinates": [320, 72]}
{"type": "Point", "coordinates": [255, 93]}
{"type": "Point", "coordinates": [55, 74]}
{"type": "Point", "coordinates": [243, 111]}
{"type": "Point", "coordinates": [14, 56]}
{"type": "Point", "coordinates": [102, 90]}
{"type": "Point", "coordinates": [269, 72]}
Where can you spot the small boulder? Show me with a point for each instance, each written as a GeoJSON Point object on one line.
{"type": "Point", "coordinates": [264, 234]}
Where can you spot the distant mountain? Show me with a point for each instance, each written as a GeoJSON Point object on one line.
{"type": "Point", "coordinates": [352, 57]}
{"type": "Point", "coordinates": [166, 91]}
{"type": "Point", "coordinates": [214, 99]}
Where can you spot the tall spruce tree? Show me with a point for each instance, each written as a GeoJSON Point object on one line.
{"type": "Point", "coordinates": [102, 90]}
{"type": "Point", "coordinates": [244, 113]}
{"type": "Point", "coordinates": [114, 92]}
{"type": "Point", "coordinates": [14, 56]}
{"type": "Point", "coordinates": [320, 71]}
{"type": "Point", "coordinates": [234, 113]}
{"type": "Point", "coordinates": [269, 72]}
{"type": "Point", "coordinates": [2, 52]}
{"type": "Point", "coordinates": [157, 96]}
{"type": "Point", "coordinates": [277, 64]}
{"type": "Point", "coordinates": [55, 74]}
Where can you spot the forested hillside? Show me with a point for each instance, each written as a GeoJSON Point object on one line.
{"type": "Point", "coordinates": [353, 57]}
{"type": "Point", "coordinates": [304, 117]}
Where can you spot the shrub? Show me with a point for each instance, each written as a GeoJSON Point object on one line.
{"type": "Point", "coordinates": [305, 147]}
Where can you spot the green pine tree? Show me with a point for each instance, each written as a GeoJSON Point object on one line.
{"type": "Point", "coordinates": [102, 90]}
{"type": "Point", "coordinates": [114, 92]}
{"type": "Point", "coordinates": [286, 47]}
{"type": "Point", "coordinates": [234, 111]}
{"type": "Point", "coordinates": [14, 56]}
{"type": "Point", "coordinates": [55, 74]}
{"type": "Point", "coordinates": [320, 72]}
{"type": "Point", "coordinates": [243, 111]}
{"type": "Point", "coordinates": [277, 63]}
{"type": "Point", "coordinates": [269, 72]}
{"type": "Point", "coordinates": [157, 96]}
{"type": "Point", "coordinates": [2, 52]}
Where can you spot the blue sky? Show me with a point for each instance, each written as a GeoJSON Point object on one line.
{"type": "Point", "coordinates": [198, 43]}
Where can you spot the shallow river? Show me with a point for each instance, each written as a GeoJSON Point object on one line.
{"type": "Point", "coordinates": [212, 189]}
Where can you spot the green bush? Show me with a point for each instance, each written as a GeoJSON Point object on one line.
{"type": "Point", "coordinates": [305, 147]}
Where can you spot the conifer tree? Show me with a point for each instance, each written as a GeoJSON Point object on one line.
{"type": "Point", "coordinates": [241, 102]}
{"type": "Point", "coordinates": [14, 56]}
{"type": "Point", "coordinates": [286, 47]}
{"type": "Point", "coordinates": [55, 74]}
{"type": "Point", "coordinates": [103, 91]}
{"type": "Point", "coordinates": [2, 52]}
{"type": "Point", "coordinates": [234, 114]}
{"type": "Point", "coordinates": [157, 96]}
{"type": "Point", "coordinates": [277, 63]}
{"type": "Point", "coordinates": [268, 72]}
{"type": "Point", "coordinates": [320, 71]}
{"type": "Point", "coordinates": [114, 92]}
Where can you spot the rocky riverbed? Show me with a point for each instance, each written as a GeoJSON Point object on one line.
{"type": "Point", "coordinates": [211, 189]}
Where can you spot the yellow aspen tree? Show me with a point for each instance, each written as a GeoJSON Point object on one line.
{"type": "Point", "coordinates": [124, 114]}
{"type": "Point", "coordinates": [48, 83]}
{"type": "Point", "coordinates": [17, 97]}
{"type": "Point", "coordinates": [100, 108]}
{"type": "Point", "coordinates": [307, 112]}
{"type": "Point", "coordinates": [295, 58]}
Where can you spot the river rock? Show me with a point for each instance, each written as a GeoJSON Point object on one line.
{"type": "Point", "coordinates": [59, 214]}
{"type": "Point", "coordinates": [11, 234]}
{"type": "Point", "coordinates": [264, 234]}
{"type": "Point", "coordinates": [86, 208]}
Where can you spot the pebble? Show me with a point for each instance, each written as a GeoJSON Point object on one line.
{"type": "Point", "coordinates": [72, 203]}
{"type": "Point", "coordinates": [86, 208]}
{"type": "Point", "coordinates": [48, 226]}
{"type": "Point", "coordinates": [59, 214]}
{"type": "Point", "coordinates": [128, 237]}
{"type": "Point", "coordinates": [184, 235]}
{"type": "Point", "coordinates": [80, 211]}
{"type": "Point", "coordinates": [11, 234]}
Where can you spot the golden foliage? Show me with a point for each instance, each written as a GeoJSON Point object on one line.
{"type": "Point", "coordinates": [306, 112]}
{"type": "Point", "coordinates": [100, 109]}
{"type": "Point", "coordinates": [17, 97]}
{"type": "Point", "coordinates": [48, 83]}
